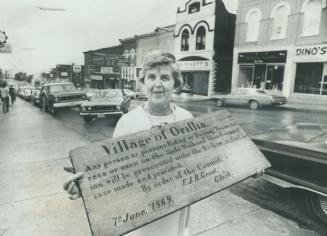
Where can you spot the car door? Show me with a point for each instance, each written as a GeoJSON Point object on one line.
{"type": "Point", "coordinates": [233, 98]}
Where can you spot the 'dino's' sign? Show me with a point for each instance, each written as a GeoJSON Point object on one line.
{"type": "Point", "coordinates": [313, 52]}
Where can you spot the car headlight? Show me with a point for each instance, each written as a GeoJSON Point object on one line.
{"type": "Point", "coordinates": [118, 107]}
{"type": "Point", "coordinates": [83, 108]}
{"type": "Point", "coordinates": [89, 108]}
{"type": "Point", "coordinates": [83, 97]}
{"type": "Point", "coordinates": [56, 99]}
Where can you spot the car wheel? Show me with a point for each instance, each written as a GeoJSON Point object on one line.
{"type": "Point", "coordinates": [219, 103]}
{"type": "Point", "coordinates": [317, 204]}
{"type": "Point", "coordinates": [254, 105]}
{"type": "Point", "coordinates": [87, 118]}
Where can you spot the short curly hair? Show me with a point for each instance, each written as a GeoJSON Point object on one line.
{"type": "Point", "coordinates": [158, 58]}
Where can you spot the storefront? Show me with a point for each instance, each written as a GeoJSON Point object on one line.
{"type": "Point", "coordinates": [263, 70]}
{"type": "Point", "coordinates": [311, 70]}
{"type": "Point", "coordinates": [196, 75]}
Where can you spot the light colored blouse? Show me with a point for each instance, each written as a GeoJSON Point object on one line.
{"type": "Point", "coordinates": [175, 224]}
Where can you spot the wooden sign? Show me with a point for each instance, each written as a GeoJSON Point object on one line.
{"type": "Point", "coordinates": [135, 179]}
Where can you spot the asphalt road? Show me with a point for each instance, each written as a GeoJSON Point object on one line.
{"type": "Point", "coordinates": [286, 202]}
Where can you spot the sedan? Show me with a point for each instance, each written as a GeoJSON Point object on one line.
{"type": "Point", "coordinates": [254, 98]}
{"type": "Point", "coordinates": [105, 103]}
{"type": "Point", "coordinates": [298, 157]}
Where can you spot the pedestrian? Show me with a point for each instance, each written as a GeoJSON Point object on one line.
{"type": "Point", "coordinates": [160, 75]}
{"type": "Point", "coordinates": [5, 97]}
{"type": "Point", "coordinates": [12, 94]}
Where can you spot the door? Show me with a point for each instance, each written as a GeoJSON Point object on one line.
{"type": "Point", "coordinates": [259, 75]}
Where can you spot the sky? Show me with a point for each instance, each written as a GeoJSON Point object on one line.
{"type": "Point", "coordinates": [41, 39]}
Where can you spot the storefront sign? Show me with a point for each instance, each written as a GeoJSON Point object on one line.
{"type": "Point", "coordinates": [194, 65]}
{"type": "Point", "coordinates": [106, 70]}
{"type": "Point", "coordinates": [77, 68]}
{"type": "Point", "coordinates": [315, 53]}
{"type": "Point", "coordinates": [96, 77]}
{"type": "Point", "coordinates": [135, 179]}
{"type": "Point", "coordinates": [263, 57]}
{"type": "Point", "coordinates": [64, 74]}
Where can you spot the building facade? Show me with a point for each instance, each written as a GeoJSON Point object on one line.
{"type": "Point", "coordinates": [161, 39]}
{"type": "Point", "coordinates": [281, 46]}
{"type": "Point", "coordinates": [204, 36]}
{"type": "Point", "coordinates": [102, 67]}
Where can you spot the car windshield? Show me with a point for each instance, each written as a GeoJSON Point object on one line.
{"type": "Point", "coordinates": [105, 94]}
{"type": "Point", "coordinates": [62, 88]}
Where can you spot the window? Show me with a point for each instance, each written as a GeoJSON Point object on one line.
{"type": "Point", "coordinates": [200, 38]}
{"type": "Point", "coordinates": [253, 25]}
{"type": "Point", "coordinates": [185, 40]}
{"type": "Point", "coordinates": [194, 7]}
{"type": "Point", "coordinates": [280, 18]}
{"type": "Point", "coordinates": [132, 57]}
{"type": "Point", "coordinates": [308, 78]}
{"type": "Point", "coordinates": [311, 17]}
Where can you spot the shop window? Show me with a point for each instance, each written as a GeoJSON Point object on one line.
{"type": "Point", "coordinates": [311, 17]}
{"type": "Point", "coordinates": [200, 38]}
{"type": "Point", "coordinates": [185, 40]}
{"type": "Point", "coordinates": [245, 76]}
{"type": "Point", "coordinates": [308, 78]}
{"type": "Point", "coordinates": [253, 19]}
{"type": "Point", "coordinates": [194, 7]}
{"type": "Point", "coordinates": [280, 18]}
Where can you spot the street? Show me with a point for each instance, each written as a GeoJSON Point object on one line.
{"type": "Point", "coordinates": [75, 132]}
{"type": "Point", "coordinates": [285, 202]}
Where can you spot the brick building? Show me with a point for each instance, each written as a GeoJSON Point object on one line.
{"type": "Point", "coordinates": [281, 46]}
{"type": "Point", "coordinates": [204, 36]}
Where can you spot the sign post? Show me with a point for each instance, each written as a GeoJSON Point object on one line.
{"type": "Point", "coordinates": [133, 180]}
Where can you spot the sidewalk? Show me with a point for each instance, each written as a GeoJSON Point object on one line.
{"type": "Point", "coordinates": [33, 150]}
{"type": "Point", "coordinates": [295, 104]}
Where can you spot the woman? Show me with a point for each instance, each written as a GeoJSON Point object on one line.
{"type": "Point", "coordinates": [160, 75]}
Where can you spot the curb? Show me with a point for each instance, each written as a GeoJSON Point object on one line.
{"type": "Point", "coordinates": [302, 109]}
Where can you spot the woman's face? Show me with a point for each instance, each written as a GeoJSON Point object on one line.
{"type": "Point", "coordinates": [159, 84]}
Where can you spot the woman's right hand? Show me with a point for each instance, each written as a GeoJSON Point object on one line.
{"type": "Point", "coordinates": [71, 184]}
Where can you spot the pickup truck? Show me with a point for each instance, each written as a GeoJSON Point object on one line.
{"type": "Point", "coordinates": [54, 96]}
{"type": "Point", "coordinates": [298, 155]}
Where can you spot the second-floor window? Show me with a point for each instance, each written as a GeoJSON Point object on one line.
{"type": "Point", "coordinates": [194, 7]}
{"type": "Point", "coordinates": [200, 38]}
{"type": "Point", "coordinates": [253, 25]}
{"type": "Point", "coordinates": [311, 18]}
{"type": "Point", "coordinates": [185, 40]}
{"type": "Point", "coordinates": [280, 19]}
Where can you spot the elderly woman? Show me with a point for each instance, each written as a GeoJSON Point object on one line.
{"type": "Point", "coordinates": [160, 75]}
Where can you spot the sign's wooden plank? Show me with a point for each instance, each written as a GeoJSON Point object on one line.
{"type": "Point", "coordinates": [135, 179]}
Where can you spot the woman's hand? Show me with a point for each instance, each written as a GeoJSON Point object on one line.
{"type": "Point", "coordinates": [71, 184]}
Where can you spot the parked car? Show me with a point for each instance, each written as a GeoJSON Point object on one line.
{"type": "Point", "coordinates": [105, 103]}
{"type": "Point", "coordinates": [130, 93]}
{"type": "Point", "coordinates": [54, 96]}
{"type": "Point", "coordinates": [298, 157]}
{"type": "Point", "coordinates": [254, 98]}
{"type": "Point", "coordinates": [35, 97]}
{"type": "Point", "coordinates": [24, 92]}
